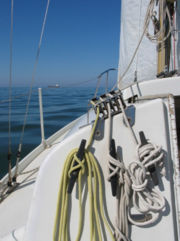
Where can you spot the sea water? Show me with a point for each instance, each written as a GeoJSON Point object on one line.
{"type": "Point", "coordinates": [60, 106]}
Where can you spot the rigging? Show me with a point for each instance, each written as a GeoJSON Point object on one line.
{"type": "Point", "coordinates": [30, 91]}
{"type": "Point", "coordinates": [10, 178]}
{"type": "Point", "coordinates": [10, 98]}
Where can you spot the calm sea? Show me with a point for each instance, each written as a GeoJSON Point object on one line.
{"type": "Point", "coordinates": [60, 105]}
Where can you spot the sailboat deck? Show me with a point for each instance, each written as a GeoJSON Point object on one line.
{"type": "Point", "coordinates": [19, 200]}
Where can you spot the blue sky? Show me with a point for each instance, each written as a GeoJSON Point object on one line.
{"type": "Point", "coordinates": [81, 40]}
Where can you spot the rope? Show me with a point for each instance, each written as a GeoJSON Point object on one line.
{"type": "Point", "coordinates": [10, 97]}
{"type": "Point", "coordinates": [156, 37]}
{"type": "Point", "coordinates": [134, 186]}
{"type": "Point", "coordinates": [145, 199]}
{"type": "Point", "coordinates": [123, 198]}
{"type": "Point", "coordinates": [116, 167]}
{"type": "Point", "coordinates": [97, 87]}
{"type": "Point", "coordinates": [34, 170]}
{"type": "Point", "coordinates": [90, 167]}
{"type": "Point", "coordinates": [127, 122]}
{"type": "Point", "coordinates": [174, 42]}
{"type": "Point", "coordinates": [140, 13]}
{"type": "Point", "coordinates": [30, 90]}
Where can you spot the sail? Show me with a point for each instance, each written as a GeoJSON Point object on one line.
{"type": "Point", "coordinates": [144, 64]}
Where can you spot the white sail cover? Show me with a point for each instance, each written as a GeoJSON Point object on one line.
{"type": "Point", "coordinates": [132, 26]}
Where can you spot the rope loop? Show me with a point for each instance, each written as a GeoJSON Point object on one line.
{"type": "Point", "coordinates": [79, 165]}
{"type": "Point", "coordinates": [114, 167]}
{"type": "Point", "coordinates": [149, 154]}
{"type": "Point", "coordinates": [119, 235]}
{"type": "Point", "coordinates": [140, 187]}
{"type": "Point", "coordinates": [146, 199]}
{"type": "Point", "coordinates": [88, 166]}
{"type": "Point", "coordinates": [127, 186]}
{"type": "Point", "coordinates": [135, 169]}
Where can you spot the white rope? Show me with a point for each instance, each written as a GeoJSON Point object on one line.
{"type": "Point", "coordinates": [155, 38]}
{"type": "Point", "coordinates": [135, 188]}
{"type": "Point", "coordinates": [146, 199]}
{"type": "Point", "coordinates": [115, 167]}
{"type": "Point", "coordinates": [127, 122]}
{"type": "Point", "coordinates": [137, 58]}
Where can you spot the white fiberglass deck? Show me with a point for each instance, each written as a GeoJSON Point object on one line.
{"type": "Point", "coordinates": [28, 213]}
{"type": "Point", "coordinates": [14, 208]}
{"type": "Point", "coordinates": [152, 118]}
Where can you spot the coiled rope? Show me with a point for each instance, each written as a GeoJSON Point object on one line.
{"type": "Point", "coordinates": [135, 188]}
{"type": "Point", "coordinates": [88, 166]}
{"type": "Point", "coordinates": [155, 38]}
{"type": "Point", "coordinates": [146, 199]}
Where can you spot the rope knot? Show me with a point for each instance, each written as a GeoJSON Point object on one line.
{"type": "Point", "coordinates": [76, 164]}
{"type": "Point", "coordinates": [140, 187]}
{"type": "Point", "coordinates": [146, 199]}
{"type": "Point", "coordinates": [149, 154]}
{"type": "Point", "coordinates": [114, 167]}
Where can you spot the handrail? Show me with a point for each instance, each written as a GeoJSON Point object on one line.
{"type": "Point", "coordinates": [106, 71]}
{"type": "Point", "coordinates": [99, 79]}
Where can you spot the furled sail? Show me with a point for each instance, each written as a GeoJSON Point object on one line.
{"type": "Point", "coordinates": [144, 64]}
{"type": "Point", "coordinates": [149, 40]}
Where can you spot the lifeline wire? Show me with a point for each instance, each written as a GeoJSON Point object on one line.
{"type": "Point", "coordinates": [63, 86]}
{"type": "Point", "coordinates": [10, 95]}
{"type": "Point", "coordinates": [34, 70]}
{"type": "Point", "coordinates": [30, 91]}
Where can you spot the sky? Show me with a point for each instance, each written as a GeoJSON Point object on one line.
{"type": "Point", "coordinates": [80, 41]}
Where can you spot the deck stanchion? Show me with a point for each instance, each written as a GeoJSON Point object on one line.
{"type": "Point", "coordinates": [43, 141]}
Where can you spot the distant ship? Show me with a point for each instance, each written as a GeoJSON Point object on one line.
{"type": "Point", "coordinates": [54, 86]}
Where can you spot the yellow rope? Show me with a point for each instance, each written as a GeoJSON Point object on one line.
{"type": "Point", "coordinates": [89, 167]}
